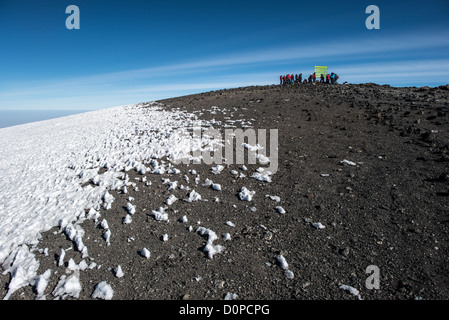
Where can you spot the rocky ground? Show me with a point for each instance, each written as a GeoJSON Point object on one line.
{"type": "Point", "coordinates": [387, 207]}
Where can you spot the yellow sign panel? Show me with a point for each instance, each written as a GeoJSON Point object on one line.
{"type": "Point", "coordinates": [320, 70]}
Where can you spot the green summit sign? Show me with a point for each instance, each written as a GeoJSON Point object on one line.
{"type": "Point", "coordinates": [320, 70]}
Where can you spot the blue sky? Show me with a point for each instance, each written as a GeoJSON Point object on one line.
{"type": "Point", "coordinates": [133, 51]}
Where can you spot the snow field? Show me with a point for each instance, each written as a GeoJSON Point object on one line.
{"type": "Point", "coordinates": [55, 180]}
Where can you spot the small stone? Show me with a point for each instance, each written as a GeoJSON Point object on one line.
{"type": "Point", "coordinates": [344, 251]}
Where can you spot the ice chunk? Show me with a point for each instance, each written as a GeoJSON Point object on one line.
{"type": "Point", "coordinates": [173, 185]}
{"type": "Point", "coordinates": [210, 248]}
{"type": "Point", "coordinates": [349, 163]}
{"type": "Point", "coordinates": [265, 177]}
{"type": "Point", "coordinates": [23, 267]}
{"type": "Point", "coordinates": [61, 258]}
{"type": "Point", "coordinates": [289, 274]}
{"type": "Point", "coordinates": [107, 237]}
{"type": "Point", "coordinates": [263, 159]}
{"type": "Point", "coordinates": [231, 296]}
{"type": "Point", "coordinates": [230, 223]}
{"type": "Point", "coordinates": [54, 161]}
{"type": "Point", "coordinates": [93, 214]}
{"type": "Point", "coordinates": [104, 224]}
{"type": "Point", "coordinates": [318, 225]}
{"type": "Point", "coordinates": [245, 194]}
{"type": "Point", "coordinates": [251, 148]}
{"type": "Point", "coordinates": [127, 219]}
{"type": "Point", "coordinates": [159, 214]}
{"type": "Point", "coordinates": [118, 272]}
{"type": "Point", "coordinates": [171, 199]}
{"type": "Point", "coordinates": [284, 265]}
{"type": "Point", "coordinates": [207, 182]}
{"type": "Point", "coordinates": [274, 198]}
{"type": "Point", "coordinates": [145, 253]}
{"type": "Point", "coordinates": [282, 262]}
{"type": "Point", "coordinates": [75, 233]}
{"type": "Point", "coordinates": [217, 169]}
{"type": "Point", "coordinates": [280, 210]}
{"type": "Point", "coordinates": [130, 208]}
{"type": "Point", "coordinates": [107, 200]}
{"type": "Point", "coordinates": [193, 196]}
{"type": "Point", "coordinates": [351, 290]}
{"type": "Point", "coordinates": [68, 286]}
{"type": "Point", "coordinates": [174, 171]}
{"type": "Point", "coordinates": [41, 283]}
{"type": "Point", "coordinates": [103, 291]}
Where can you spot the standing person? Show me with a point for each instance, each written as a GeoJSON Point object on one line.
{"type": "Point", "coordinates": [332, 78]}
{"type": "Point", "coordinates": [322, 78]}
{"type": "Point", "coordinates": [288, 78]}
{"type": "Point", "coordinates": [300, 78]}
{"type": "Point", "coordinates": [336, 78]}
{"type": "Point", "coordinates": [281, 80]}
{"type": "Point", "coordinates": [328, 78]}
{"type": "Point", "coordinates": [314, 77]}
{"type": "Point", "coordinates": [310, 78]}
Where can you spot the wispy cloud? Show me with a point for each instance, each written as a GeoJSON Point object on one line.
{"type": "Point", "coordinates": [397, 71]}
{"type": "Point", "coordinates": [237, 69]}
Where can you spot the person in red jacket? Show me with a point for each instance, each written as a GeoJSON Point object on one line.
{"type": "Point", "coordinates": [314, 77]}
{"type": "Point", "coordinates": [328, 78]}
{"type": "Point", "coordinates": [289, 78]}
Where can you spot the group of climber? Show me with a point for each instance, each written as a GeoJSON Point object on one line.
{"type": "Point", "coordinates": [292, 79]}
